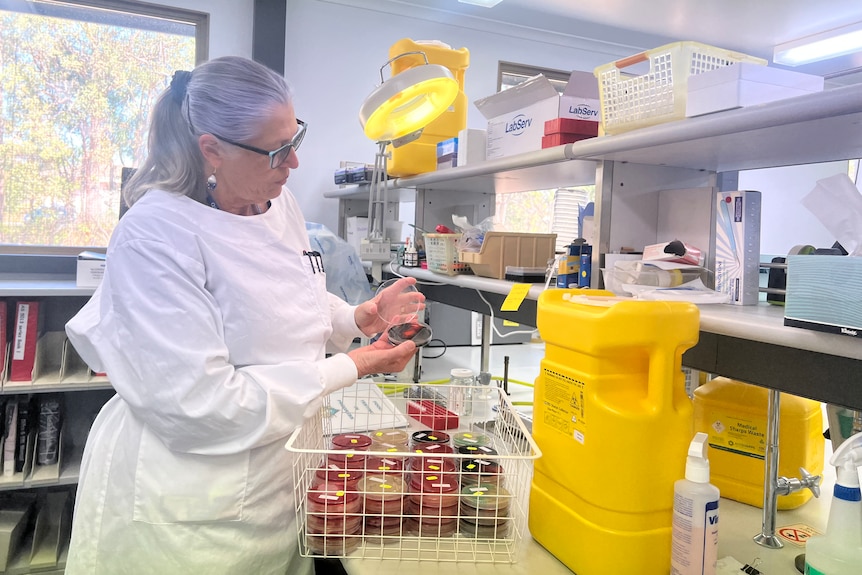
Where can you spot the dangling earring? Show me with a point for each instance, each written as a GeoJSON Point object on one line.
{"type": "Point", "coordinates": [211, 182]}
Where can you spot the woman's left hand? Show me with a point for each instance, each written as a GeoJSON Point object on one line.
{"type": "Point", "coordinates": [397, 303]}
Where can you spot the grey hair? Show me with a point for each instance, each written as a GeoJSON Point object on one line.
{"type": "Point", "coordinates": [229, 96]}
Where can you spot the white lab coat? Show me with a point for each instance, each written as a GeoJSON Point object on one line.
{"type": "Point", "coordinates": [213, 329]}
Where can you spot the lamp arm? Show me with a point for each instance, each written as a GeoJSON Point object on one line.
{"type": "Point", "coordinates": [377, 198]}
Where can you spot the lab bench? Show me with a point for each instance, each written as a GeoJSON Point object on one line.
{"type": "Point", "coordinates": [747, 343]}
{"type": "Point", "coordinates": [739, 524]}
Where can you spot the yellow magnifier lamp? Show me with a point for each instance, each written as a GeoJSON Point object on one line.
{"type": "Point", "coordinates": [396, 113]}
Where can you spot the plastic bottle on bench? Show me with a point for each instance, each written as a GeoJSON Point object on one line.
{"type": "Point", "coordinates": [461, 382]}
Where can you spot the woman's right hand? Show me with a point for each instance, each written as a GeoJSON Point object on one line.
{"type": "Point", "coordinates": [382, 357]}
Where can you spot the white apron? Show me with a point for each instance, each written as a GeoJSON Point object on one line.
{"type": "Point", "coordinates": [212, 328]}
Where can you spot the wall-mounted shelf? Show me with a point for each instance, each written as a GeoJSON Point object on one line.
{"type": "Point", "coordinates": [819, 127]}
{"type": "Point", "coordinates": [361, 191]}
{"type": "Point", "coordinates": [539, 170]}
{"type": "Point", "coordinates": [21, 288]}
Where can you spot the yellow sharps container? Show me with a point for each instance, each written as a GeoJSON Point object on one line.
{"type": "Point", "coordinates": [420, 156]}
{"type": "Point", "coordinates": [734, 415]}
{"type": "Point", "coordinates": [613, 421]}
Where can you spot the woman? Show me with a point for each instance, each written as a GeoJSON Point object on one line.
{"type": "Point", "coordinates": [212, 323]}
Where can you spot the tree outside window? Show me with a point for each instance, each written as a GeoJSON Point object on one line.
{"type": "Point", "coordinates": [76, 87]}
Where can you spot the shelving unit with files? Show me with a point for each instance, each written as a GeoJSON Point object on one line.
{"type": "Point", "coordinates": [47, 410]}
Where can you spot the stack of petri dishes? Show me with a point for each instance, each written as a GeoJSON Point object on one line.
{"type": "Point", "coordinates": [383, 508]}
{"type": "Point", "coordinates": [390, 440]}
{"type": "Point", "coordinates": [334, 519]}
{"type": "Point", "coordinates": [469, 438]}
{"type": "Point", "coordinates": [347, 451]}
{"type": "Point", "coordinates": [484, 511]}
{"type": "Point", "coordinates": [431, 509]}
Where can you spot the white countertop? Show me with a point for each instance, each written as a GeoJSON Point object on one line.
{"type": "Point", "coordinates": [739, 524]}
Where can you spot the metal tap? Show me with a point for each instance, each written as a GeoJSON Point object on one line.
{"type": "Point", "coordinates": [773, 486]}
{"type": "Point", "coordinates": [787, 486]}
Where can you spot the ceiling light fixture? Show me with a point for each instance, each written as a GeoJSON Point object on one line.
{"type": "Point", "coordinates": [485, 3]}
{"type": "Point", "coordinates": [823, 46]}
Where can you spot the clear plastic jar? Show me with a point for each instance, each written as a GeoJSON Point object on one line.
{"type": "Point", "coordinates": [461, 382]}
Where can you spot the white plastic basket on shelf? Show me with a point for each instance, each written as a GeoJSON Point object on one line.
{"type": "Point", "coordinates": [362, 492]}
{"type": "Point", "coordinates": [441, 253]}
{"type": "Point", "coordinates": [630, 102]}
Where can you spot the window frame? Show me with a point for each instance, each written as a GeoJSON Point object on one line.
{"type": "Point", "coordinates": [558, 78]}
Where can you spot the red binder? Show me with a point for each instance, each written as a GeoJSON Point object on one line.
{"type": "Point", "coordinates": [4, 321]}
{"type": "Point", "coordinates": [26, 334]}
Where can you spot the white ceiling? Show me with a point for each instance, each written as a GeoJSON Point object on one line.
{"type": "Point", "coordinates": [750, 26]}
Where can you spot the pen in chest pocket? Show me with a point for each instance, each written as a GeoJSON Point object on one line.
{"type": "Point", "coordinates": [315, 260]}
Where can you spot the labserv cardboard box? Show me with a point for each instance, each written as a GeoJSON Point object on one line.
{"type": "Point", "coordinates": [517, 116]}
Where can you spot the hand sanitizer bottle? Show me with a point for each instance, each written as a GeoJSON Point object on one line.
{"type": "Point", "coordinates": [694, 547]}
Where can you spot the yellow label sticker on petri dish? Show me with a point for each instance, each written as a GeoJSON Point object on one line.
{"type": "Point", "coordinates": [431, 478]}
{"type": "Point", "coordinates": [353, 441]}
{"type": "Point", "coordinates": [340, 493]}
{"type": "Point", "coordinates": [432, 437]}
{"type": "Point", "coordinates": [344, 475]}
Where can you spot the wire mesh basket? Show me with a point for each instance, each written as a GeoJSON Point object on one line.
{"type": "Point", "coordinates": [441, 253]}
{"type": "Point", "coordinates": [630, 102]}
{"type": "Point", "coordinates": [390, 471]}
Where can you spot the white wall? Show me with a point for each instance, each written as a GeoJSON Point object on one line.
{"type": "Point", "coordinates": [334, 53]}
{"type": "Point", "coordinates": [230, 24]}
{"type": "Point", "coordinates": [785, 222]}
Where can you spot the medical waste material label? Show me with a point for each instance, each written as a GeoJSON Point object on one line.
{"type": "Point", "coordinates": [563, 404]}
{"type": "Point", "coordinates": [743, 435]}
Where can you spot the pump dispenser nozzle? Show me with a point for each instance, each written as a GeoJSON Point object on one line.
{"type": "Point", "coordinates": [697, 464]}
{"type": "Point", "coordinates": [694, 547]}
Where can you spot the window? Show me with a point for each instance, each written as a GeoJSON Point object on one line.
{"type": "Point", "coordinates": [540, 211]}
{"type": "Point", "coordinates": [510, 74]}
{"type": "Point", "coordinates": [78, 79]}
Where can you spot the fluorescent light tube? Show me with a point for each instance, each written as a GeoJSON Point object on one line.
{"type": "Point", "coordinates": [485, 3]}
{"type": "Point", "coordinates": [829, 44]}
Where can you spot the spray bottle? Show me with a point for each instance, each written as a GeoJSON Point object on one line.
{"type": "Point", "coordinates": [839, 551]}
{"type": "Point", "coordinates": [694, 544]}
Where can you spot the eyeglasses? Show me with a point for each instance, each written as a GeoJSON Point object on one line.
{"type": "Point", "coordinates": [276, 157]}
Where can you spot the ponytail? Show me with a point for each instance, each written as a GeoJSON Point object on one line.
{"type": "Point", "coordinates": [231, 96]}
